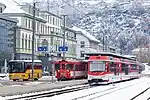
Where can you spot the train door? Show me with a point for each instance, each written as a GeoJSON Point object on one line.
{"type": "Point", "coordinates": [125, 68]}
{"type": "Point", "coordinates": [114, 67]}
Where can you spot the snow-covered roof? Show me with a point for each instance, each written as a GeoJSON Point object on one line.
{"type": "Point", "coordinates": [25, 61]}
{"type": "Point", "coordinates": [11, 7]}
{"type": "Point", "coordinates": [14, 7]}
{"type": "Point", "coordinates": [88, 35]}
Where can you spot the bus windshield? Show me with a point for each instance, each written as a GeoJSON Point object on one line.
{"type": "Point", "coordinates": [16, 67]}
{"type": "Point", "coordinates": [97, 66]}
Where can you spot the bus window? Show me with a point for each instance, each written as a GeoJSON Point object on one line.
{"type": "Point", "coordinates": [69, 66]}
{"type": "Point", "coordinates": [16, 67]}
{"type": "Point", "coordinates": [37, 65]}
{"type": "Point", "coordinates": [57, 66]}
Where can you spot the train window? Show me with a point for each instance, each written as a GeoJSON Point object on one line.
{"type": "Point", "coordinates": [69, 66]}
{"type": "Point", "coordinates": [57, 66]}
{"type": "Point", "coordinates": [123, 67]}
{"type": "Point", "coordinates": [134, 67]}
{"type": "Point", "coordinates": [77, 68]}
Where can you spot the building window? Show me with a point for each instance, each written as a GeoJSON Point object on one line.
{"type": "Point", "coordinates": [26, 23]}
{"type": "Point", "coordinates": [29, 24]}
{"type": "Point", "coordinates": [22, 41]}
{"type": "Point", "coordinates": [1, 10]}
{"type": "Point", "coordinates": [29, 42]}
{"type": "Point", "coordinates": [82, 44]}
{"type": "Point", "coordinates": [26, 42]}
{"type": "Point", "coordinates": [82, 53]}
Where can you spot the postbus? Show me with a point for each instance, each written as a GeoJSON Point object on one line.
{"type": "Point", "coordinates": [22, 70]}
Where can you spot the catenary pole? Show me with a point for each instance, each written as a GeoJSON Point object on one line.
{"type": "Point", "coordinates": [33, 40]}
{"type": "Point", "coordinates": [64, 26]}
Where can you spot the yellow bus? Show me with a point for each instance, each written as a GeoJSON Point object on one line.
{"type": "Point", "coordinates": [22, 69]}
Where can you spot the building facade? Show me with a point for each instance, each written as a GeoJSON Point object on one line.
{"type": "Point", "coordinates": [24, 28]}
{"type": "Point", "coordinates": [53, 39]}
{"type": "Point", "coordinates": [6, 38]}
{"type": "Point", "coordinates": [85, 43]}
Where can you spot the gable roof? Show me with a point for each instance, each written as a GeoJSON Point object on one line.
{"type": "Point", "coordinates": [86, 34]}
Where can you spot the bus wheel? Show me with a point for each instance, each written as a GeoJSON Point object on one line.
{"type": "Point", "coordinates": [25, 79]}
{"type": "Point", "coordinates": [35, 79]}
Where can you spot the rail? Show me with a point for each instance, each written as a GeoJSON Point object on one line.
{"type": "Point", "coordinates": [49, 93]}
{"type": "Point", "coordinates": [141, 94]}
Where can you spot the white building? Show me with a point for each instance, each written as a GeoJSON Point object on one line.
{"type": "Point", "coordinates": [85, 43]}
{"type": "Point", "coordinates": [24, 27]}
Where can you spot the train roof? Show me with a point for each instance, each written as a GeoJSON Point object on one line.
{"type": "Point", "coordinates": [24, 61]}
{"type": "Point", "coordinates": [109, 54]}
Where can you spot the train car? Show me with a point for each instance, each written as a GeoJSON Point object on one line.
{"type": "Point", "coordinates": [22, 69]}
{"type": "Point", "coordinates": [108, 67]}
{"type": "Point", "coordinates": [65, 69]}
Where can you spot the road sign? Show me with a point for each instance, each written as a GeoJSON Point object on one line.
{"type": "Point", "coordinates": [42, 48]}
{"type": "Point", "coordinates": [63, 48]}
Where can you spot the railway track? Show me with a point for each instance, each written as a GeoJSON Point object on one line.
{"type": "Point", "coordinates": [48, 93]}
{"type": "Point", "coordinates": [138, 95]}
{"type": "Point", "coordinates": [99, 94]}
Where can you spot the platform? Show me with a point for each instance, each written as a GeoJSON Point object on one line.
{"type": "Point", "coordinates": [29, 87]}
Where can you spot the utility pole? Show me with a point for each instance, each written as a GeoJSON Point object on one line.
{"type": "Point", "coordinates": [33, 36]}
{"type": "Point", "coordinates": [48, 5]}
{"type": "Point", "coordinates": [64, 26]}
{"type": "Point", "coordinates": [103, 43]}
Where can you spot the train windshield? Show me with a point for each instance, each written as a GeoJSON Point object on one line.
{"type": "Point", "coordinates": [69, 66]}
{"type": "Point", "coordinates": [97, 66]}
{"type": "Point", "coordinates": [57, 66]}
{"type": "Point", "coordinates": [16, 67]}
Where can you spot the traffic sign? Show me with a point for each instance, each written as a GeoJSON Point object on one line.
{"type": "Point", "coordinates": [63, 48]}
{"type": "Point", "coordinates": [42, 48]}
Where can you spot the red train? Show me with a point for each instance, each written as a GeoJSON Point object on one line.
{"type": "Point", "coordinates": [70, 69]}
{"type": "Point", "coordinates": [109, 67]}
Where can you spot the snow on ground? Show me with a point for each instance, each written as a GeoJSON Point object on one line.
{"type": "Point", "coordinates": [48, 78]}
{"type": "Point", "coordinates": [15, 96]}
{"type": "Point", "coordinates": [147, 69]}
{"type": "Point", "coordinates": [4, 76]}
{"type": "Point", "coordinates": [33, 83]}
{"type": "Point", "coordinates": [136, 86]}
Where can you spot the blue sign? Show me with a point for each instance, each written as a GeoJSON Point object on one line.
{"type": "Point", "coordinates": [63, 48]}
{"type": "Point", "coordinates": [42, 48]}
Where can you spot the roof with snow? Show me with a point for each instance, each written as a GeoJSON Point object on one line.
{"type": "Point", "coordinates": [86, 34]}
{"type": "Point", "coordinates": [14, 8]}
{"type": "Point", "coordinates": [11, 7]}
